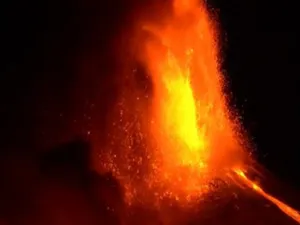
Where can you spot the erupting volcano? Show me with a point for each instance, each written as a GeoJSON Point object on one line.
{"type": "Point", "coordinates": [175, 139]}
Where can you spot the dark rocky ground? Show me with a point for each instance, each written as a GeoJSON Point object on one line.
{"type": "Point", "coordinates": [58, 187]}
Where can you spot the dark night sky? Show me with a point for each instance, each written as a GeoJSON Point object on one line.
{"type": "Point", "coordinates": [47, 44]}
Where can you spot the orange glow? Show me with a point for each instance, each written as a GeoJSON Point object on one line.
{"type": "Point", "coordinates": [191, 124]}
{"type": "Point", "coordinates": [175, 141]}
{"type": "Point", "coordinates": [281, 205]}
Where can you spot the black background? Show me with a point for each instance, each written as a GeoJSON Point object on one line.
{"type": "Point", "coordinates": [48, 45]}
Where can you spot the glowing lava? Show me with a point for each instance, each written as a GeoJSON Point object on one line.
{"type": "Point", "coordinates": [294, 214]}
{"type": "Point", "coordinates": [176, 140]}
{"type": "Point", "coordinates": [196, 139]}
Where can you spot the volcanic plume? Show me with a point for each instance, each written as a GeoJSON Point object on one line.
{"type": "Point", "coordinates": [173, 137]}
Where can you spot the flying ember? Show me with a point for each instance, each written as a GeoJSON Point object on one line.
{"type": "Point", "coordinates": [174, 140]}
{"type": "Point", "coordinates": [177, 143]}
{"type": "Point", "coordinates": [192, 128]}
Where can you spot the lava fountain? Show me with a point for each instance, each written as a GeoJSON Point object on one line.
{"type": "Point", "coordinates": [196, 137]}
{"type": "Point", "coordinates": [175, 141]}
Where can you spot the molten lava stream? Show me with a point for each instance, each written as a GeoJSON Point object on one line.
{"type": "Point", "coordinates": [294, 214]}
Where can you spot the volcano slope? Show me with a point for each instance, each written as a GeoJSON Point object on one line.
{"type": "Point", "coordinates": [65, 190]}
